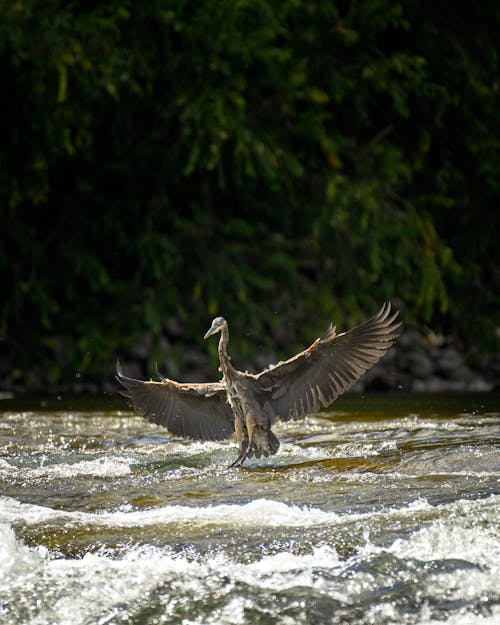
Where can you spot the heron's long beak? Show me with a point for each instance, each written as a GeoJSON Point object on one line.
{"type": "Point", "coordinates": [213, 329]}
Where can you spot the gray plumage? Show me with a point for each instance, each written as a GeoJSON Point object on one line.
{"type": "Point", "coordinates": [249, 404]}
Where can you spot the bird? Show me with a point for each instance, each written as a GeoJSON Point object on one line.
{"type": "Point", "coordinates": [248, 404]}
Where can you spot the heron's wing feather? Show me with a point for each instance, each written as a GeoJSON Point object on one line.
{"type": "Point", "coordinates": [317, 376]}
{"type": "Point", "coordinates": [198, 411]}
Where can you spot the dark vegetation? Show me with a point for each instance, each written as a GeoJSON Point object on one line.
{"type": "Point", "coordinates": [162, 162]}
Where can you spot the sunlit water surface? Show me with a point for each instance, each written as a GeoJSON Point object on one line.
{"type": "Point", "coordinates": [385, 510]}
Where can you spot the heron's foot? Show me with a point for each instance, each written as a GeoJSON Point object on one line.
{"type": "Point", "coordinates": [237, 463]}
{"type": "Point", "coordinates": [240, 459]}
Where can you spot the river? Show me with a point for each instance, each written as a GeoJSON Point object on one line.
{"type": "Point", "coordinates": [383, 510]}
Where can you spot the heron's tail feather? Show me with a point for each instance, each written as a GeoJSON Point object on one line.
{"type": "Point", "coordinates": [273, 442]}
{"type": "Point", "coordinates": [264, 443]}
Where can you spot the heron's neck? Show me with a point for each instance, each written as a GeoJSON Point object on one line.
{"type": "Point", "coordinates": [224, 359]}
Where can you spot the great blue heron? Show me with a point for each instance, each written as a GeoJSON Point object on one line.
{"type": "Point", "coordinates": [249, 404]}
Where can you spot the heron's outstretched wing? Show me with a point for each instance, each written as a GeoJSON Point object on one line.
{"type": "Point", "coordinates": [198, 411]}
{"type": "Point", "coordinates": [318, 375]}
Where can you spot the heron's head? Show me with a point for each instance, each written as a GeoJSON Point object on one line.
{"type": "Point", "coordinates": [216, 326]}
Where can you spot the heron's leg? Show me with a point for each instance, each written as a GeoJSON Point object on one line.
{"type": "Point", "coordinates": [244, 451]}
{"type": "Point", "coordinates": [250, 423]}
{"type": "Point", "coordinates": [239, 460]}
{"type": "Point", "coordinates": [236, 463]}
{"type": "Point", "coordinates": [243, 444]}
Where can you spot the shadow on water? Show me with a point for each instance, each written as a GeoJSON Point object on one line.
{"type": "Point", "coordinates": [441, 404]}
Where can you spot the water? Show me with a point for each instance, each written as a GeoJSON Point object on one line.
{"type": "Point", "coordinates": [383, 511]}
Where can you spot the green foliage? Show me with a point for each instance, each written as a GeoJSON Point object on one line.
{"type": "Point", "coordinates": [170, 159]}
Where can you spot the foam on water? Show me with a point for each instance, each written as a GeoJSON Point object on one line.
{"type": "Point", "coordinates": [256, 513]}
{"type": "Point", "coordinates": [15, 558]}
{"type": "Point", "coordinates": [466, 618]}
{"type": "Point", "coordinates": [463, 550]}
{"type": "Point", "coordinates": [342, 450]}
{"type": "Point", "coordinates": [386, 613]}
{"type": "Point", "coordinates": [298, 453]}
{"type": "Point", "coordinates": [68, 591]}
{"type": "Point", "coordinates": [451, 538]}
{"type": "Point", "coordinates": [78, 591]}
{"type": "Point", "coordinates": [98, 467]}
{"type": "Point", "coordinates": [287, 570]}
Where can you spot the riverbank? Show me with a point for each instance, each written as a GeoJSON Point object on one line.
{"type": "Point", "coordinates": [420, 362]}
{"type": "Point", "coordinates": [424, 362]}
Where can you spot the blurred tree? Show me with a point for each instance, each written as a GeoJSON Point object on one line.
{"type": "Point", "coordinates": [170, 159]}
